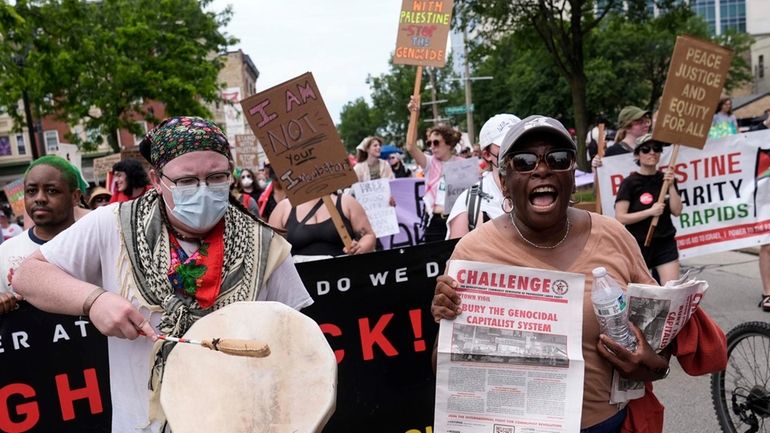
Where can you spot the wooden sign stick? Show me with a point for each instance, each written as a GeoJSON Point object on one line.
{"type": "Point", "coordinates": [414, 116]}
{"type": "Point", "coordinates": [597, 191]}
{"type": "Point", "coordinates": [662, 195]}
{"type": "Point", "coordinates": [337, 220]}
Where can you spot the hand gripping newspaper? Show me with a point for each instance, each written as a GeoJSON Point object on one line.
{"type": "Point", "coordinates": [512, 361]}
{"type": "Point", "coordinates": [660, 313]}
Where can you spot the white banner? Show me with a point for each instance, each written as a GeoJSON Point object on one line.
{"type": "Point", "coordinates": [725, 190]}
{"type": "Point", "coordinates": [374, 196]}
{"type": "Point", "coordinates": [513, 360]}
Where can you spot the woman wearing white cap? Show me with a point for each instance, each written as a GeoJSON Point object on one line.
{"type": "Point", "coordinates": [482, 201]}
{"type": "Point", "coordinates": [370, 166]}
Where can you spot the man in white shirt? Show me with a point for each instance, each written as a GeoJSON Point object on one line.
{"type": "Point", "coordinates": [162, 261]}
{"type": "Point", "coordinates": [51, 191]}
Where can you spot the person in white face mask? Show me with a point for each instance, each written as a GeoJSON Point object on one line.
{"type": "Point", "coordinates": [160, 262]}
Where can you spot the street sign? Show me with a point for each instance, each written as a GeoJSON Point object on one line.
{"type": "Point", "coordinates": [457, 109]}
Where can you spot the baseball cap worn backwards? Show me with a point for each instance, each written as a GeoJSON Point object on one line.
{"type": "Point", "coordinates": [630, 113]}
{"type": "Point", "coordinates": [495, 129]}
{"type": "Point", "coordinates": [535, 125]}
{"type": "Point", "coordinates": [176, 136]}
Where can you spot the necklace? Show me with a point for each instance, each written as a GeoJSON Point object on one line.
{"type": "Point", "coordinates": [545, 247]}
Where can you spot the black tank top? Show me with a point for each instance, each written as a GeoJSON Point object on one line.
{"type": "Point", "coordinates": [319, 239]}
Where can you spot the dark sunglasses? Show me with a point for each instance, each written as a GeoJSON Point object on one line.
{"type": "Point", "coordinates": [645, 148]}
{"type": "Point", "coordinates": [556, 160]}
{"type": "Point", "coordinates": [432, 143]}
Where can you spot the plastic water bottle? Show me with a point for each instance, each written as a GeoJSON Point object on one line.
{"type": "Point", "coordinates": [611, 308]}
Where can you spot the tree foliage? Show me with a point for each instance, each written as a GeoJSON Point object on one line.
{"type": "Point", "coordinates": [357, 121]}
{"type": "Point", "coordinates": [98, 62]}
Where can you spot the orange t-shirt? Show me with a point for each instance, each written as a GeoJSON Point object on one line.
{"type": "Point", "coordinates": [609, 245]}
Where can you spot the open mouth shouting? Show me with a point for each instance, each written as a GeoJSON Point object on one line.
{"type": "Point", "coordinates": [543, 198]}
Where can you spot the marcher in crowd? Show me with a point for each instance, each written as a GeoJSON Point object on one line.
{"type": "Point", "coordinates": [147, 249]}
{"type": "Point", "coordinates": [272, 194]}
{"type": "Point", "coordinates": [311, 232]}
{"type": "Point", "coordinates": [99, 197]}
{"type": "Point", "coordinates": [397, 165]}
{"type": "Point", "coordinates": [246, 183]}
{"type": "Point", "coordinates": [9, 229]}
{"type": "Point", "coordinates": [369, 166]}
{"type": "Point", "coordinates": [442, 140]}
{"type": "Point", "coordinates": [482, 201]}
{"type": "Point", "coordinates": [541, 230]}
{"type": "Point", "coordinates": [52, 189]}
{"type": "Point", "coordinates": [724, 122]}
{"type": "Point", "coordinates": [130, 179]}
{"type": "Point", "coordinates": [764, 250]}
{"type": "Point", "coordinates": [633, 122]}
{"type": "Point", "coordinates": [243, 190]}
{"type": "Point", "coordinates": [637, 203]}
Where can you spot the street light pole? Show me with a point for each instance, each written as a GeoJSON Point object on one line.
{"type": "Point", "coordinates": [468, 95]}
{"type": "Point", "coordinates": [20, 60]}
{"type": "Point", "coordinates": [432, 75]}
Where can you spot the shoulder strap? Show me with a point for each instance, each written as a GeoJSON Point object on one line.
{"type": "Point", "coordinates": [312, 211]}
{"type": "Point", "coordinates": [474, 205]}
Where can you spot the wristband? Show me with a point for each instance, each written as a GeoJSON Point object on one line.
{"type": "Point", "coordinates": [92, 297]}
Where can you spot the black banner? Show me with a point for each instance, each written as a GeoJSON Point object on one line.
{"type": "Point", "coordinates": [375, 312]}
{"type": "Point", "coordinates": [373, 308]}
{"type": "Point", "coordinates": [54, 374]}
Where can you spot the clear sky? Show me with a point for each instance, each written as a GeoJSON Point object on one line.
{"type": "Point", "coordinates": [340, 41]}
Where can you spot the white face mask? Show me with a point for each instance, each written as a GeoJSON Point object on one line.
{"type": "Point", "coordinates": [199, 207]}
{"type": "Point", "coordinates": [247, 181]}
{"type": "Point", "coordinates": [262, 183]}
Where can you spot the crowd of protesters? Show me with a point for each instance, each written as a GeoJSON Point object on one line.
{"type": "Point", "coordinates": [192, 185]}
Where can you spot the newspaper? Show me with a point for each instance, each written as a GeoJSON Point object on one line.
{"type": "Point", "coordinates": [660, 313]}
{"type": "Point", "coordinates": [513, 360]}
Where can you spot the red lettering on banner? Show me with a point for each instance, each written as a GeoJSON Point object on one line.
{"type": "Point", "coordinates": [370, 337]}
{"type": "Point", "coordinates": [733, 162]}
{"type": "Point", "coordinates": [472, 276]}
{"type": "Point", "coordinates": [461, 276]}
{"type": "Point", "coordinates": [29, 410]}
{"type": "Point", "coordinates": [67, 395]}
{"type": "Point", "coordinates": [334, 331]}
{"type": "Point", "coordinates": [415, 316]}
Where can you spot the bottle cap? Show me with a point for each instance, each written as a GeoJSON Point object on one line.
{"type": "Point", "coordinates": [599, 272]}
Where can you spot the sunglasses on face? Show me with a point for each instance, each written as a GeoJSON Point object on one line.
{"type": "Point", "coordinates": [657, 148]}
{"type": "Point", "coordinates": [432, 143]}
{"type": "Point", "coordinates": [555, 160]}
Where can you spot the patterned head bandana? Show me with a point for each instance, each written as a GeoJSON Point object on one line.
{"type": "Point", "coordinates": [176, 136]}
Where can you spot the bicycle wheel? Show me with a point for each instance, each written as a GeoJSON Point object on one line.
{"type": "Point", "coordinates": [741, 393]}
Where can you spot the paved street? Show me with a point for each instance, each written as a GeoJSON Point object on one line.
{"type": "Point", "coordinates": [734, 289]}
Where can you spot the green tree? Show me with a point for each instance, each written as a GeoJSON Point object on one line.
{"type": "Point", "coordinates": [357, 121]}
{"type": "Point", "coordinates": [562, 28]}
{"type": "Point", "coordinates": [100, 61]}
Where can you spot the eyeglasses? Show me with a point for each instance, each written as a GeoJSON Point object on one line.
{"type": "Point", "coordinates": [646, 148]}
{"type": "Point", "coordinates": [432, 143]}
{"type": "Point", "coordinates": [556, 160]}
{"type": "Point", "coordinates": [101, 199]}
{"type": "Point", "coordinates": [218, 178]}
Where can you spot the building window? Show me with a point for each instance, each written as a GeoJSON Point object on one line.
{"type": "Point", "coordinates": [51, 141]}
{"type": "Point", "coordinates": [761, 66]}
{"type": "Point", "coordinates": [5, 145]}
{"type": "Point", "coordinates": [20, 145]}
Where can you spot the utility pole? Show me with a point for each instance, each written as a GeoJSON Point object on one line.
{"type": "Point", "coordinates": [432, 76]}
{"type": "Point", "coordinates": [468, 95]}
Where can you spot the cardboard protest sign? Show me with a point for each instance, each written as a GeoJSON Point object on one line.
{"type": "Point", "coordinates": [374, 196]}
{"type": "Point", "coordinates": [694, 84]}
{"type": "Point", "coordinates": [423, 27]}
{"type": "Point", "coordinates": [103, 165]}
{"type": "Point", "coordinates": [459, 175]}
{"type": "Point", "coordinates": [14, 191]}
{"type": "Point", "coordinates": [246, 154]}
{"type": "Point", "coordinates": [300, 139]}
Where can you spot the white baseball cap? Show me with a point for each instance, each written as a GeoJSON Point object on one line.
{"type": "Point", "coordinates": [531, 125]}
{"type": "Point", "coordinates": [495, 129]}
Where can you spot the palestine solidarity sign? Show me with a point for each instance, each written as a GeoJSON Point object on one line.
{"type": "Point", "coordinates": [373, 308]}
